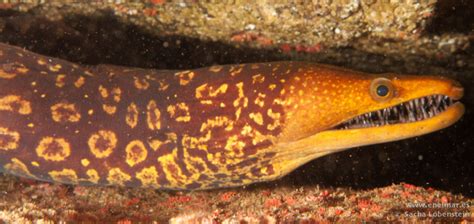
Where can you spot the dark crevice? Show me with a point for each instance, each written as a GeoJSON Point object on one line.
{"type": "Point", "coordinates": [106, 40]}
{"type": "Point", "coordinates": [452, 17]}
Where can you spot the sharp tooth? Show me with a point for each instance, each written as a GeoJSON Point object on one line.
{"type": "Point", "coordinates": [379, 114]}
{"type": "Point", "coordinates": [411, 112]}
{"type": "Point", "coordinates": [425, 114]}
{"type": "Point", "coordinates": [430, 101]}
{"type": "Point", "coordinates": [386, 112]}
{"type": "Point", "coordinates": [443, 105]}
{"type": "Point", "coordinates": [437, 104]}
{"type": "Point", "coordinates": [406, 109]}
{"type": "Point", "coordinates": [420, 110]}
{"type": "Point", "coordinates": [438, 100]}
{"type": "Point", "coordinates": [411, 116]}
{"type": "Point", "coordinates": [386, 115]}
{"type": "Point", "coordinates": [412, 106]}
{"type": "Point", "coordinates": [401, 117]}
{"type": "Point", "coordinates": [419, 115]}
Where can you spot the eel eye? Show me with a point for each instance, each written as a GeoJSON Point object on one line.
{"type": "Point", "coordinates": [382, 89]}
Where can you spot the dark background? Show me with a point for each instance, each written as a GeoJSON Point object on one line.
{"type": "Point", "coordinates": [442, 160]}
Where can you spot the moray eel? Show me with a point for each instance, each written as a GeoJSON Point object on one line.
{"type": "Point", "coordinates": [213, 127]}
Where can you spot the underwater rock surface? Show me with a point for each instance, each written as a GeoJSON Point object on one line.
{"type": "Point", "coordinates": [22, 201]}
{"type": "Point", "coordinates": [387, 27]}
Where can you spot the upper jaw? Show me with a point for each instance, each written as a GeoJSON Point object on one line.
{"type": "Point", "coordinates": [413, 109]}
{"type": "Point", "coordinates": [409, 111]}
{"type": "Point", "coordinates": [456, 92]}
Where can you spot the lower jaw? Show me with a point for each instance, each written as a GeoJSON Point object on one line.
{"type": "Point", "coordinates": [296, 153]}
{"type": "Point", "coordinates": [373, 135]}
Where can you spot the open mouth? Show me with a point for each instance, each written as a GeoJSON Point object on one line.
{"type": "Point", "coordinates": [410, 111]}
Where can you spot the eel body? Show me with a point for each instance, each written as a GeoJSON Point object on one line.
{"type": "Point", "coordinates": [219, 126]}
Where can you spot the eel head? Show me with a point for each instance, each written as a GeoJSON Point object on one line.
{"type": "Point", "coordinates": [343, 109]}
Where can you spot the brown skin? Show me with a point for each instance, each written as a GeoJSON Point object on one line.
{"type": "Point", "coordinates": [212, 127]}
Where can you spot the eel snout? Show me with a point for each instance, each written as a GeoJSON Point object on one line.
{"type": "Point", "coordinates": [373, 109]}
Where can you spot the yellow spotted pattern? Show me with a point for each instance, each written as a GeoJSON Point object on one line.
{"type": "Point", "coordinates": [9, 139]}
{"type": "Point", "coordinates": [102, 143]}
{"type": "Point", "coordinates": [141, 84]}
{"type": "Point", "coordinates": [15, 69]}
{"type": "Point", "coordinates": [161, 129]}
{"type": "Point", "coordinates": [185, 77]}
{"type": "Point", "coordinates": [180, 112]}
{"type": "Point", "coordinates": [60, 80]}
{"type": "Point", "coordinates": [65, 112]}
{"type": "Point", "coordinates": [136, 152]}
{"type": "Point", "coordinates": [172, 171]}
{"type": "Point", "coordinates": [153, 116]}
{"type": "Point", "coordinates": [79, 82]}
{"type": "Point", "coordinates": [117, 177]}
{"type": "Point", "coordinates": [67, 176]}
{"type": "Point", "coordinates": [148, 176]}
{"type": "Point", "coordinates": [93, 176]}
{"type": "Point", "coordinates": [131, 118]}
{"type": "Point", "coordinates": [53, 149]}
{"type": "Point", "coordinates": [15, 103]}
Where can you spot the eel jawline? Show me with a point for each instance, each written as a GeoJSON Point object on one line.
{"type": "Point", "coordinates": [409, 111]}
{"type": "Point", "coordinates": [331, 141]}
